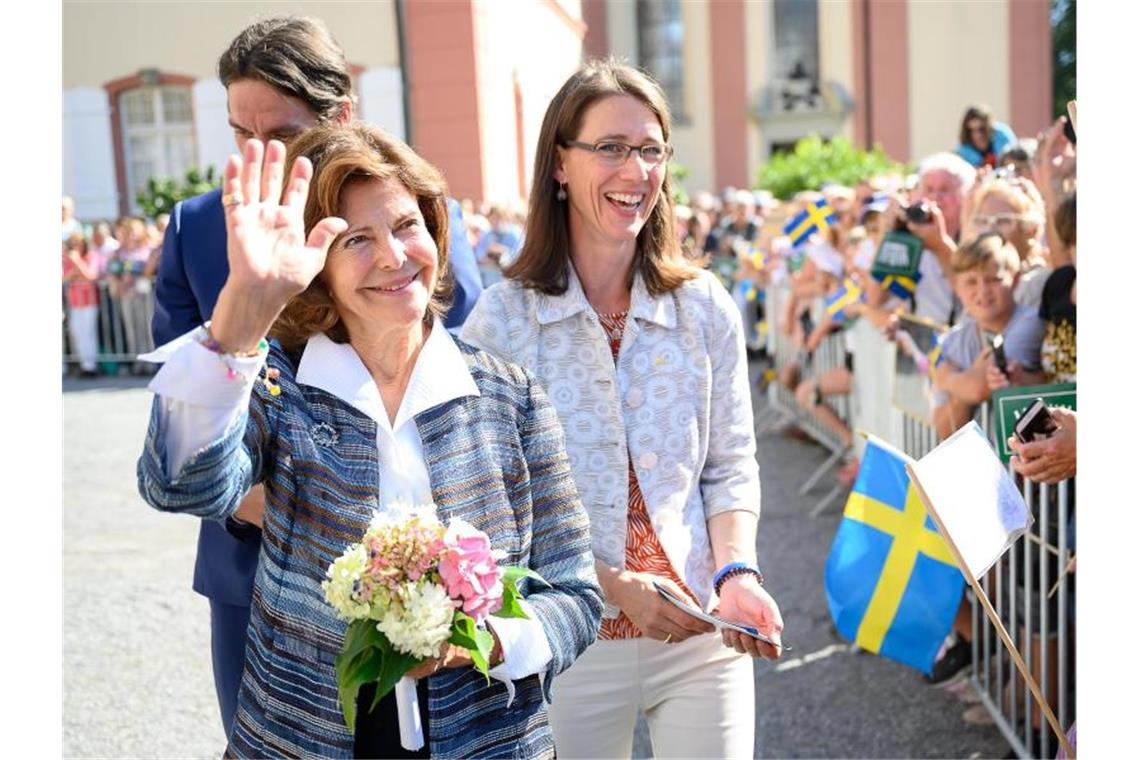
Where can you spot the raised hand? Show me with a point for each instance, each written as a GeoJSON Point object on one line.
{"type": "Point", "coordinates": [265, 233]}
{"type": "Point", "coordinates": [269, 256]}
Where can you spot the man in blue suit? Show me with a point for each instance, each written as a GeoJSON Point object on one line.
{"type": "Point", "coordinates": [282, 75]}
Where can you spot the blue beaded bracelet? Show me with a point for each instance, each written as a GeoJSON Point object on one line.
{"type": "Point", "coordinates": [735, 568]}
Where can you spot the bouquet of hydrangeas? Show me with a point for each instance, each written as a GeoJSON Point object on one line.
{"type": "Point", "coordinates": [409, 587]}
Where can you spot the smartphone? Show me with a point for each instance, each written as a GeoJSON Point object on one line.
{"type": "Point", "coordinates": [1070, 132]}
{"type": "Point", "coordinates": [1036, 423]}
{"type": "Point", "coordinates": [997, 343]}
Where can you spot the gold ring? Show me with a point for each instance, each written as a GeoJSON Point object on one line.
{"type": "Point", "coordinates": [232, 199]}
{"type": "Point", "coordinates": [668, 638]}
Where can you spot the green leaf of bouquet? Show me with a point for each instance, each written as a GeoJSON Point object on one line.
{"type": "Point", "coordinates": [394, 664]}
{"type": "Point", "coordinates": [512, 596]}
{"type": "Point", "coordinates": [463, 631]}
{"type": "Point", "coordinates": [361, 635]}
{"type": "Point", "coordinates": [481, 654]}
{"type": "Point", "coordinates": [512, 607]}
{"type": "Point", "coordinates": [513, 574]}
{"type": "Point", "coordinates": [352, 673]}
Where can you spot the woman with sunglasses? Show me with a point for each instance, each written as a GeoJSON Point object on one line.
{"type": "Point", "coordinates": [643, 356]}
{"type": "Point", "coordinates": [983, 139]}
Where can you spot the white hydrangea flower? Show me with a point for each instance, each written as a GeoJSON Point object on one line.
{"type": "Point", "coordinates": [343, 575]}
{"type": "Point", "coordinates": [382, 518]}
{"type": "Point", "coordinates": [422, 623]}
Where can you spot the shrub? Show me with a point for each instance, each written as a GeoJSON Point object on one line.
{"type": "Point", "coordinates": [814, 163]}
{"type": "Point", "coordinates": [159, 196]}
{"type": "Point", "coordinates": [679, 174]}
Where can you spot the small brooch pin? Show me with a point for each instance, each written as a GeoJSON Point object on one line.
{"type": "Point", "coordinates": [324, 434]}
{"type": "Point", "coordinates": [660, 360]}
{"type": "Point", "coordinates": [271, 375]}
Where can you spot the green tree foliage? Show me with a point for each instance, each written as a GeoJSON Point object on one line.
{"type": "Point", "coordinates": [159, 196]}
{"type": "Point", "coordinates": [678, 174]}
{"type": "Point", "coordinates": [815, 163]}
{"type": "Point", "coordinates": [1064, 16]}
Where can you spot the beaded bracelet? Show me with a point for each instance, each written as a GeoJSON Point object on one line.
{"type": "Point", "coordinates": [211, 344]}
{"type": "Point", "coordinates": [735, 568]}
{"type": "Point", "coordinates": [208, 342]}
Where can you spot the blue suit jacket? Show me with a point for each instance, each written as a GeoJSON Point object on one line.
{"type": "Point", "coordinates": [191, 274]}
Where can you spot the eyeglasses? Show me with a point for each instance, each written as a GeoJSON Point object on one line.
{"type": "Point", "coordinates": [616, 153]}
{"type": "Point", "coordinates": [1003, 221]}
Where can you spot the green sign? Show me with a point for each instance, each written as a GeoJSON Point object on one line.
{"type": "Point", "coordinates": [899, 254]}
{"type": "Point", "coordinates": [1009, 403]}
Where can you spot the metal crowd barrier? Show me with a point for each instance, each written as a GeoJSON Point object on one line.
{"type": "Point", "coordinates": [123, 325]}
{"type": "Point", "coordinates": [1029, 587]}
{"type": "Point", "coordinates": [1035, 599]}
{"type": "Point", "coordinates": [782, 405]}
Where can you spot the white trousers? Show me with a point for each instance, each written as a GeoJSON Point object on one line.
{"type": "Point", "coordinates": [698, 697]}
{"type": "Point", "coordinates": [83, 326]}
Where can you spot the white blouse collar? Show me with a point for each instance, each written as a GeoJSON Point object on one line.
{"type": "Point", "coordinates": [441, 374]}
{"type": "Point", "coordinates": [643, 305]}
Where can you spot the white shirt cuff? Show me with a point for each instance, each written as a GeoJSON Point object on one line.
{"type": "Point", "coordinates": [526, 651]}
{"type": "Point", "coordinates": [195, 374]}
{"type": "Point", "coordinates": [202, 393]}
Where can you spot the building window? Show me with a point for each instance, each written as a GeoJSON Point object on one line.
{"type": "Point", "coordinates": [660, 42]}
{"type": "Point", "coordinates": [157, 135]}
{"type": "Point", "coordinates": [796, 26]}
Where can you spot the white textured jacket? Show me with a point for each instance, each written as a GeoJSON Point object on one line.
{"type": "Point", "coordinates": [678, 405]}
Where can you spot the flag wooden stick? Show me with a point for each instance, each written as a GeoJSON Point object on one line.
{"type": "Point", "coordinates": [1044, 544]}
{"type": "Point", "coordinates": [991, 613]}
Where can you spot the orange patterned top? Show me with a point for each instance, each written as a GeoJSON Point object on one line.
{"type": "Point", "coordinates": [643, 551]}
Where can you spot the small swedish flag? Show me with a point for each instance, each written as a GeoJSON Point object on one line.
{"type": "Point", "coordinates": [901, 285]}
{"type": "Point", "coordinates": [845, 295]}
{"type": "Point", "coordinates": [817, 217]}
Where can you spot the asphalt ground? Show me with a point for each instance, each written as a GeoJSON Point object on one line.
{"type": "Point", "coordinates": [137, 677]}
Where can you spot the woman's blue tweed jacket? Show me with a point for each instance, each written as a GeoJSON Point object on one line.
{"type": "Point", "coordinates": [497, 460]}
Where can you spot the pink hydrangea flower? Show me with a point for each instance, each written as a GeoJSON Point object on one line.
{"type": "Point", "coordinates": [469, 570]}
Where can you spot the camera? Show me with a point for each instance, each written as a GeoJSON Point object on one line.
{"type": "Point", "coordinates": [919, 213]}
{"type": "Point", "coordinates": [915, 213]}
{"type": "Point", "coordinates": [1007, 172]}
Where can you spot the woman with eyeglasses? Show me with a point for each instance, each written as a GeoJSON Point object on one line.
{"type": "Point", "coordinates": [983, 139]}
{"type": "Point", "coordinates": [643, 356]}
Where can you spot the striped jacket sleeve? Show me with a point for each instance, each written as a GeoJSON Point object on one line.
{"type": "Point", "coordinates": [570, 609]}
{"type": "Point", "coordinates": [214, 479]}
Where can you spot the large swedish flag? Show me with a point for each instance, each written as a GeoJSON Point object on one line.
{"type": "Point", "coordinates": [892, 584]}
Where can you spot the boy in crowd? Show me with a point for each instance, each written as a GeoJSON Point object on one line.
{"type": "Point", "coordinates": [985, 273]}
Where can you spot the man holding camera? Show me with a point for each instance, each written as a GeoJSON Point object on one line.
{"type": "Point", "coordinates": [934, 217]}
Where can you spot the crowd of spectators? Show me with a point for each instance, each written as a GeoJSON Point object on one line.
{"type": "Point", "coordinates": [109, 266]}
{"type": "Point", "coordinates": [996, 220]}
{"type": "Point", "coordinates": [495, 232]}
{"type": "Point", "coordinates": [998, 248]}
